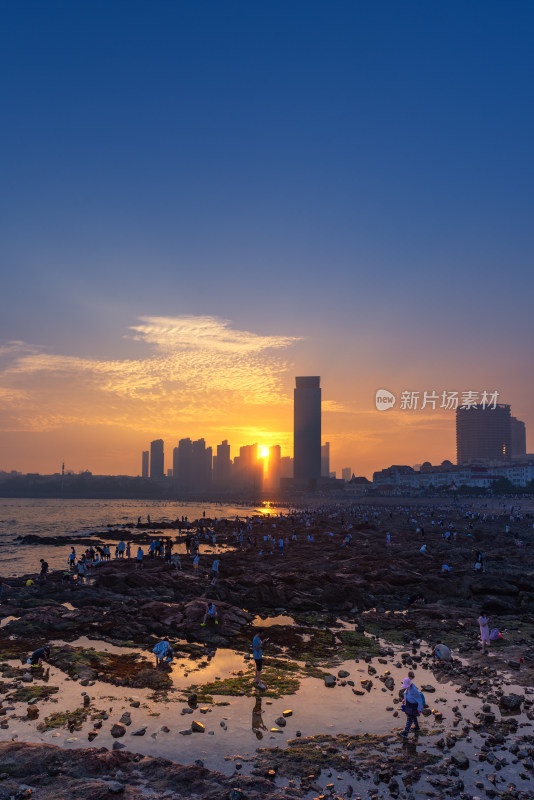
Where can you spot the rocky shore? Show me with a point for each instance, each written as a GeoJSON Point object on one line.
{"type": "Point", "coordinates": [344, 612]}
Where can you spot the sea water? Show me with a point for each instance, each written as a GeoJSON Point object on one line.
{"type": "Point", "coordinates": [77, 518]}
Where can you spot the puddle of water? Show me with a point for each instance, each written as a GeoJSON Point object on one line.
{"type": "Point", "coordinates": [268, 622]}
{"type": "Point", "coordinates": [316, 709]}
{"type": "Point", "coordinates": [7, 620]}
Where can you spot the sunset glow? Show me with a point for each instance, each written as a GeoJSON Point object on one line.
{"type": "Point", "coordinates": [248, 213]}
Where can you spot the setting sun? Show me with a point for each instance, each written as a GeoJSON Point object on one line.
{"type": "Point", "coordinates": [264, 452]}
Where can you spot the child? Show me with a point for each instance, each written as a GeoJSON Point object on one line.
{"type": "Point", "coordinates": [483, 621]}
{"type": "Point", "coordinates": [258, 659]}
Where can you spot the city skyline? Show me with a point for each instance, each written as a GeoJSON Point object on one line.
{"type": "Point", "coordinates": [201, 203]}
{"type": "Point", "coordinates": [408, 428]}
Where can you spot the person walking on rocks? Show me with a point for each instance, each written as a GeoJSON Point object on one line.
{"type": "Point", "coordinates": [258, 659]}
{"type": "Point", "coordinates": [121, 547]}
{"type": "Point", "coordinates": [483, 621]}
{"type": "Point", "coordinates": [139, 558]}
{"type": "Point", "coordinates": [413, 704]}
{"type": "Point", "coordinates": [44, 570]}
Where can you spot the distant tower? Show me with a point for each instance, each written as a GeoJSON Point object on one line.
{"type": "Point", "coordinates": [157, 459]}
{"type": "Point", "coordinates": [183, 465]}
{"type": "Point", "coordinates": [483, 434]}
{"type": "Point", "coordinates": [325, 460]}
{"type": "Point", "coordinates": [307, 429]}
{"type": "Point", "coordinates": [222, 466]}
{"type": "Point", "coordinates": [273, 468]}
{"type": "Point", "coordinates": [202, 458]}
{"type": "Point", "coordinates": [144, 463]}
{"type": "Point", "coordinates": [519, 438]}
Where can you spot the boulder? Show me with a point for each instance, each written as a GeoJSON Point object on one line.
{"type": "Point", "coordinates": [511, 703]}
{"type": "Point", "coordinates": [460, 760]}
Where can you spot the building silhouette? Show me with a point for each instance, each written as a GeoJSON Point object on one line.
{"type": "Point", "coordinates": [271, 480]}
{"type": "Point", "coordinates": [325, 460]}
{"type": "Point", "coordinates": [248, 469]}
{"type": "Point", "coordinates": [183, 465]}
{"type": "Point", "coordinates": [222, 466]}
{"type": "Point", "coordinates": [145, 461]}
{"type": "Point", "coordinates": [201, 466]}
{"type": "Point", "coordinates": [483, 434]}
{"type": "Point", "coordinates": [519, 437]}
{"type": "Point", "coordinates": [286, 467]}
{"type": "Point", "coordinates": [307, 430]}
{"type": "Point", "coordinates": [157, 465]}
{"type": "Point", "coordinates": [346, 474]}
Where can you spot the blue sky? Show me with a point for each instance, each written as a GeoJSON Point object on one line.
{"type": "Point", "coordinates": [354, 175]}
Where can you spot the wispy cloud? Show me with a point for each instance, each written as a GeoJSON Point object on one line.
{"type": "Point", "coordinates": [204, 333]}
{"type": "Point", "coordinates": [199, 369]}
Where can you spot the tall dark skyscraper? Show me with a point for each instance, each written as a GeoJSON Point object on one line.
{"type": "Point", "coordinates": [157, 459]}
{"type": "Point", "coordinates": [307, 430]}
{"type": "Point", "coordinates": [222, 466]}
{"type": "Point", "coordinates": [202, 466]}
{"type": "Point", "coordinates": [183, 468]}
{"type": "Point", "coordinates": [519, 438]}
{"type": "Point", "coordinates": [483, 434]}
{"type": "Point", "coordinates": [145, 460]}
{"type": "Point", "coordinates": [325, 460]}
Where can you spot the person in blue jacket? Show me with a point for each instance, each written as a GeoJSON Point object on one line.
{"type": "Point", "coordinates": [412, 706]}
{"type": "Point", "coordinates": [163, 652]}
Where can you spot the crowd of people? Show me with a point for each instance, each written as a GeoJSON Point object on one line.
{"type": "Point", "coordinates": [270, 538]}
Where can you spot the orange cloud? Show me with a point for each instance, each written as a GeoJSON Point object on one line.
{"type": "Point", "coordinates": [200, 371]}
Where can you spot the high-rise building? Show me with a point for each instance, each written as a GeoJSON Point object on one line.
{"type": "Point", "coordinates": [175, 462]}
{"type": "Point", "coordinates": [286, 467]}
{"type": "Point", "coordinates": [145, 460]}
{"type": "Point", "coordinates": [222, 466]}
{"type": "Point", "coordinates": [519, 437]}
{"type": "Point", "coordinates": [325, 460]}
{"type": "Point", "coordinates": [248, 469]}
{"type": "Point", "coordinates": [157, 470]}
{"type": "Point", "coordinates": [272, 478]}
{"type": "Point", "coordinates": [183, 465]}
{"type": "Point", "coordinates": [307, 430]}
{"type": "Point", "coordinates": [346, 474]}
{"type": "Point", "coordinates": [483, 434]}
{"type": "Point", "coordinates": [202, 466]}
